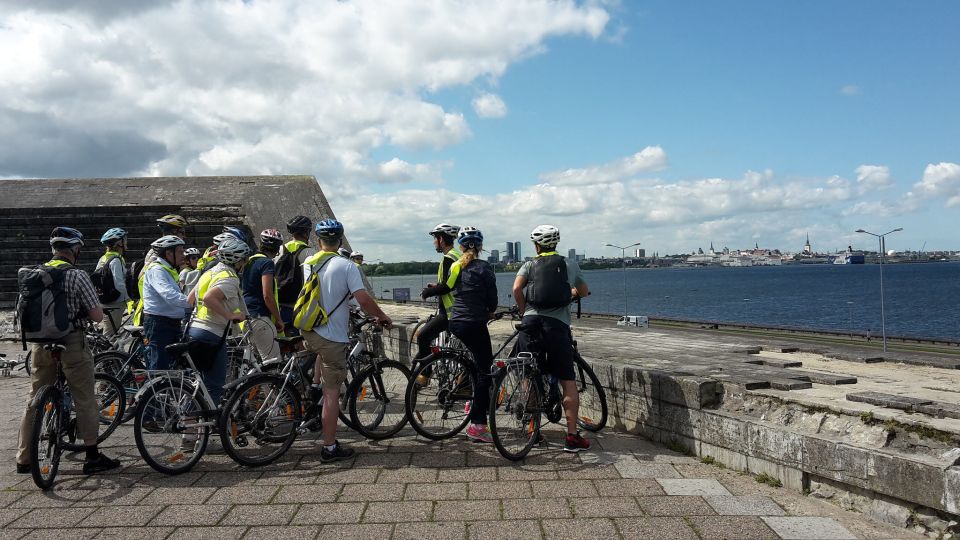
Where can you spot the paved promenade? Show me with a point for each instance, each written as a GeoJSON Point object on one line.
{"type": "Point", "coordinates": [626, 487]}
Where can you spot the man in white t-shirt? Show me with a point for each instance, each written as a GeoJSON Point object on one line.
{"type": "Point", "coordinates": [339, 278]}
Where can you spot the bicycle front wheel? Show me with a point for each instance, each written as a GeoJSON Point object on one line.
{"type": "Point", "coordinates": [259, 422]}
{"type": "Point", "coordinates": [439, 396]}
{"type": "Point", "coordinates": [375, 399]}
{"type": "Point", "coordinates": [515, 411]}
{"type": "Point", "coordinates": [45, 442]}
{"type": "Point", "coordinates": [593, 398]}
{"type": "Point", "coordinates": [169, 428]}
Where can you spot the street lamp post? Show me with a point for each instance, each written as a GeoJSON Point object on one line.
{"type": "Point", "coordinates": [623, 261]}
{"type": "Point", "coordinates": [881, 238]}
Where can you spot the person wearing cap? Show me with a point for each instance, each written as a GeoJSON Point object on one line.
{"type": "Point", "coordinates": [170, 225]}
{"type": "Point", "coordinates": [163, 303]}
{"type": "Point", "coordinates": [75, 360]}
{"type": "Point", "coordinates": [260, 295]}
{"type": "Point", "coordinates": [115, 242]}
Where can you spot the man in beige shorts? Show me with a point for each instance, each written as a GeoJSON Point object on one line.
{"type": "Point", "coordinates": [339, 279]}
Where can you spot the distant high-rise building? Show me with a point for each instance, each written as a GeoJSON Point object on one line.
{"type": "Point", "coordinates": [572, 254]}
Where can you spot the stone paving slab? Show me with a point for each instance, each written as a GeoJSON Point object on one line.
{"type": "Point", "coordinates": [628, 487]}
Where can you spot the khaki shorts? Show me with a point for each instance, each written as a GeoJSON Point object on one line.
{"type": "Point", "coordinates": [332, 358]}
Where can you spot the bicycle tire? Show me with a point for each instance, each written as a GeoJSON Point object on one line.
{"type": "Point", "coordinates": [111, 406]}
{"type": "Point", "coordinates": [442, 414]}
{"type": "Point", "coordinates": [515, 406]}
{"type": "Point", "coordinates": [375, 399]}
{"type": "Point", "coordinates": [160, 413]}
{"type": "Point", "coordinates": [45, 440]}
{"type": "Point", "coordinates": [265, 408]}
{"type": "Point", "coordinates": [592, 415]}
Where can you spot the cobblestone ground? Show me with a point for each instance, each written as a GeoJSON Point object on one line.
{"type": "Point", "coordinates": [626, 487]}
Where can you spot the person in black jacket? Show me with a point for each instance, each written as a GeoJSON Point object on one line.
{"type": "Point", "coordinates": [475, 299]}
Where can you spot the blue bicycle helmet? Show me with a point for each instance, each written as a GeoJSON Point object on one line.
{"type": "Point", "coordinates": [329, 228]}
{"type": "Point", "coordinates": [470, 237]}
{"type": "Point", "coordinates": [66, 235]}
{"type": "Point", "coordinates": [113, 235]}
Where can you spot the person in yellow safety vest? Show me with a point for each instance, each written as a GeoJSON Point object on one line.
{"type": "Point", "coordinates": [260, 295]}
{"type": "Point", "coordinates": [163, 304]}
{"type": "Point", "coordinates": [219, 302]}
{"type": "Point", "coordinates": [444, 240]}
{"type": "Point", "coordinates": [338, 279]}
{"type": "Point", "coordinates": [115, 241]}
{"type": "Point", "coordinates": [170, 225]}
{"type": "Point", "coordinates": [75, 360]}
{"type": "Point", "coordinates": [189, 274]}
{"type": "Point", "coordinates": [288, 272]}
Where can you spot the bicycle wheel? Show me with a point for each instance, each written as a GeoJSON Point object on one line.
{"type": "Point", "coordinates": [45, 442]}
{"type": "Point", "coordinates": [375, 399]}
{"type": "Point", "coordinates": [111, 405]}
{"type": "Point", "coordinates": [515, 411]}
{"type": "Point", "coordinates": [438, 396]}
{"type": "Point", "coordinates": [168, 428]}
{"type": "Point", "coordinates": [593, 398]}
{"type": "Point", "coordinates": [259, 421]}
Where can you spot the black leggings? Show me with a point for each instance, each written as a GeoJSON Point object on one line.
{"type": "Point", "coordinates": [477, 339]}
{"type": "Point", "coordinates": [429, 332]}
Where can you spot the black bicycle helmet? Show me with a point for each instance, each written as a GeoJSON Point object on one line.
{"type": "Point", "coordinates": [299, 224]}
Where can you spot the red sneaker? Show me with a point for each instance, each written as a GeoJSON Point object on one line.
{"type": "Point", "coordinates": [575, 443]}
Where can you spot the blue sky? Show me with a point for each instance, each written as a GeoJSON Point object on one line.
{"type": "Point", "coordinates": [670, 123]}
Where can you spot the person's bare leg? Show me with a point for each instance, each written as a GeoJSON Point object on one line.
{"type": "Point", "coordinates": [571, 404]}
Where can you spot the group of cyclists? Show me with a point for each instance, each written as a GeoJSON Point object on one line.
{"type": "Point", "coordinates": [179, 292]}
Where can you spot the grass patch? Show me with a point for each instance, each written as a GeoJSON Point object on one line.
{"type": "Point", "coordinates": [771, 481]}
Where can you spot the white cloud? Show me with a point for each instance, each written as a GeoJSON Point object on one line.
{"type": "Point", "coordinates": [229, 87]}
{"type": "Point", "coordinates": [850, 90]}
{"type": "Point", "coordinates": [650, 159]}
{"type": "Point", "coordinates": [940, 181]}
{"type": "Point", "coordinates": [872, 178]}
{"type": "Point", "coordinates": [489, 106]}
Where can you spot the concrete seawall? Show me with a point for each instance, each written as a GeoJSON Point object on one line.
{"type": "Point", "coordinates": [738, 404]}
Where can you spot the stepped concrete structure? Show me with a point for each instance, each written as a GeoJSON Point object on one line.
{"type": "Point", "coordinates": [30, 208]}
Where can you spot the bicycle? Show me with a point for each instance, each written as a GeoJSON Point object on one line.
{"type": "Point", "coordinates": [522, 391]}
{"type": "Point", "coordinates": [54, 420]}
{"type": "Point", "coordinates": [266, 411]}
{"type": "Point", "coordinates": [175, 414]}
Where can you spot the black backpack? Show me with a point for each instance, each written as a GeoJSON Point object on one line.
{"type": "Point", "coordinates": [548, 286]}
{"type": "Point", "coordinates": [289, 276]}
{"type": "Point", "coordinates": [42, 313]}
{"type": "Point", "coordinates": [102, 279]}
{"type": "Point", "coordinates": [133, 280]}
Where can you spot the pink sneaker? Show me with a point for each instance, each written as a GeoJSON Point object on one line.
{"type": "Point", "coordinates": [479, 432]}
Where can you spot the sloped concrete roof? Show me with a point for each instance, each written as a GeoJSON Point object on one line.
{"type": "Point", "coordinates": [267, 201]}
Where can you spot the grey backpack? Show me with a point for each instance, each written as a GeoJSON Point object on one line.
{"type": "Point", "coordinates": [42, 305]}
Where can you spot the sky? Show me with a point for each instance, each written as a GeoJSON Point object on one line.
{"type": "Point", "coordinates": [669, 123]}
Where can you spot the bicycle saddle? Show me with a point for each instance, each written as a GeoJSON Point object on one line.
{"type": "Point", "coordinates": [177, 349]}
{"type": "Point", "coordinates": [292, 340]}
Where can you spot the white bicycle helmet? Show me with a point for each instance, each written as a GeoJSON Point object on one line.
{"type": "Point", "coordinates": [445, 229]}
{"type": "Point", "coordinates": [546, 236]}
{"type": "Point", "coordinates": [167, 242]}
{"type": "Point", "coordinates": [233, 251]}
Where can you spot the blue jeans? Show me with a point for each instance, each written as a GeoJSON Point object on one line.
{"type": "Point", "coordinates": [214, 377]}
{"type": "Point", "coordinates": [161, 331]}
